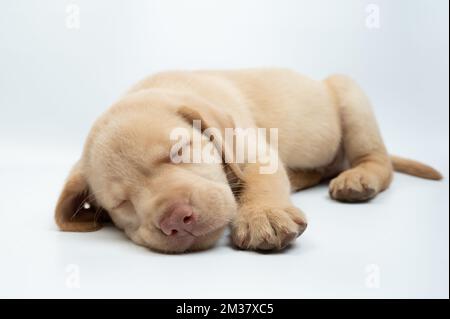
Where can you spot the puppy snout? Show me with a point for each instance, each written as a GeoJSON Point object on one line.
{"type": "Point", "coordinates": [177, 220]}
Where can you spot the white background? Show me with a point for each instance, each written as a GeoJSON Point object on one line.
{"type": "Point", "coordinates": [55, 80]}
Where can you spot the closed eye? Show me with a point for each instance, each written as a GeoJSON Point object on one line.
{"type": "Point", "coordinates": [178, 152]}
{"type": "Point", "coordinates": [120, 204]}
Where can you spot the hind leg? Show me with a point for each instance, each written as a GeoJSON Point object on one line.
{"type": "Point", "coordinates": [370, 169]}
{"type": "Point", "coordinates": [302, 179]}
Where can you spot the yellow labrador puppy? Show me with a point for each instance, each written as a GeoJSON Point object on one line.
{"type": "Point", "coordinates": [326, 130]}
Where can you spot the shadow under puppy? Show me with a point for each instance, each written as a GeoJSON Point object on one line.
{"type": "Point", "coordinates": [326, 129]}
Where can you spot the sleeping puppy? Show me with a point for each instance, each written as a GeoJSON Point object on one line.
{"type": "Point", "coordinates": [325, 130]}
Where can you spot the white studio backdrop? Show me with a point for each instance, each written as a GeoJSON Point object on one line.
{"type": "Point", "coordinates": [63, 62]}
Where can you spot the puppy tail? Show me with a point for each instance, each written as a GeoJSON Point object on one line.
{"type": "Point", "coordinates": [415, 168]}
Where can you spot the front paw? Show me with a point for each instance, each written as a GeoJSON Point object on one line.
{"type": "Point", "coordinates": [267, 228]}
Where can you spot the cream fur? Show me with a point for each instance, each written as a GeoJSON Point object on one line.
{"type": "Point", "coordinates": [326, 129]}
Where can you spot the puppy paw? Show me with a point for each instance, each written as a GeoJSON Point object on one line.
{"type": "Point", "coordinates": [354, 185]}
{"type": "Point", "coordinates": [267, 228]}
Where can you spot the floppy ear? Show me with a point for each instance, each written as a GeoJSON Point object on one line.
{"type": "Point", "coordinates": [212, 117]}
{"type": "Point", "coordinates": [75, 210]}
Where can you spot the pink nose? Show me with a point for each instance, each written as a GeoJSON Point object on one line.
{"type": "Point", "coordinates": [178, 219]}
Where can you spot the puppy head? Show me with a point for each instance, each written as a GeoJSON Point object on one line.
{"type": "Point", "coordinates": [126, 173]}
